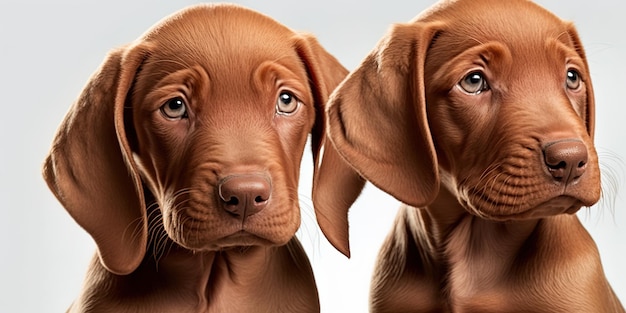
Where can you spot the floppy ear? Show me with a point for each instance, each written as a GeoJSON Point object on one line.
{"type": "Point", "coordinates": [377, 119]}
{"type": "Point", "coordinates": [590, 105]}
{"type": "Point", "coordinates": [90, 169]}
{"type": "Point", "coordinates": [335, 184]}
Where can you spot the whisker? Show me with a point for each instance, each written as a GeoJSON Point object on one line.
{"type": "Point", "coordinates": [309, 228]}
{"type": "Point", "coordinates": [612, 169]}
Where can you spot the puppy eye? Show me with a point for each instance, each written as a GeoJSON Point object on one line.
{"type": "Point", "coordinates": [573, 79]}
{"type": "Point", "coordinates": [474, 83]}
{"type": "Point", "coordinates": [174, 108]}
{"type": "Point", "coordinates": [286, 103]}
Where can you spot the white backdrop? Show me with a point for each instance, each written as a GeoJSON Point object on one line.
{"type": "Point", "coordinates": [48, 51]}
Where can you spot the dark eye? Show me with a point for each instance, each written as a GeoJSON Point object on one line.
{"type": "Point", "coordinates": [474, 83]}
{"type": "Point", "coordinates": [286, 103]}
{"type": "Point", "coordinates": [573, 79]}
{"type": "Point", "coordinates": [174, 108]}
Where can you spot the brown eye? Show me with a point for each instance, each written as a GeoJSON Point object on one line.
{"type": "Point", "coordinates": [474, 83]}
{"type": "Point", "coordinates": [286, 103]}
{"type": "Point", "coordinates": [174, 108]}
{"type": "Point", "coordinates": [573, 79]}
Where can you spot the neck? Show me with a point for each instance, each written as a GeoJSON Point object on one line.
{"type": "Point", "coordinates": [212, 275]}
{"type": "Point", "coordinates": [453, 230]}
{"type": "Point", "coordinates": [461, 262]}
{"type": "Point", "coordinates": [468, 255]}
{"type": "Point", "coordinates": [244, 279]}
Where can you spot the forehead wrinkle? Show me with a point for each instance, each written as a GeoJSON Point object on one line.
{"type": "Point", "coordinates": [524, 31]}
{"type": "Point", "coordinates": [229, 44]}
{"type": "Point", "coordinates": [226, 40]}
{"type": "Point", "coordinates": [273, 75]}
{"type": "Point", "coordinates": [479, 21]}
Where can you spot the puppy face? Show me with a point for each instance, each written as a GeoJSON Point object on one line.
{"type": "Point", "coordinates": [227, 102]}
{"type": "Point", "coordinates": [501, 89]}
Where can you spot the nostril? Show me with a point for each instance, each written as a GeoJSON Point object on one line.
{"type": "Point", "coordinates": [557, 166]}
{"type": "Point", "coordinates": [232, 201]}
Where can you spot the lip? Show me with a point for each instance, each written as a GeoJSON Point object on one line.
{"type": "Point", "coordinates": [558, 205]}
{"type": "Point", "coordinates": [552, 207]}
{"type": "Point", "coordinates": [240, 239]}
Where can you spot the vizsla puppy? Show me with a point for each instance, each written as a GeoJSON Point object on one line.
{"type": "Point", "coordinates": [181, 159]}
{"type": "Point", "coordinates": [479, 115]}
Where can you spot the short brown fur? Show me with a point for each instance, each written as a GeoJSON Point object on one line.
{"type": "Point", "coordinates": [465, 115]}
{"type": "Point", "coordinates": [149, 185]}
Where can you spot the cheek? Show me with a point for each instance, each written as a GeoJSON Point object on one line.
{"type": "Point", "coordinates": [579, 102]}
{"type": "Point", "coordinates": [170, 132]}
{"type": "Point", "coordinates": [159, 144]}
{"type": "Point", "coordinates": [459, 127]}
{"type": "Point", "coordinates": [292, 132]}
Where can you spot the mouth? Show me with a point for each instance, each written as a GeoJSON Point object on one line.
{"type": "Point", "coordinates": [555, 206]}
{"type": "Point", "coordinates": [552, 207]}
{"type": "Point", "coordinates": [240, 238]}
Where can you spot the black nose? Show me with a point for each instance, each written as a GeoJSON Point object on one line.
{"type": "Point", "coordinates": [244, 195]}
{"type": "Point", "coordinates": [566, 160]}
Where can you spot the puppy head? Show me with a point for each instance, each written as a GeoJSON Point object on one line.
{"type": "Point", "coordinates": [219, 105]}
{"type": "Point", "coordinates": [211, 101]}
{"type": "Point", "coordinates": [510, 106]}
{"type": "Point", "coordinates": [469, 96]}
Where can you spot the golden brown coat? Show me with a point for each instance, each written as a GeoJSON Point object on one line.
{"type": "Point", "coordinates": [479, 115]}
{"type": "Point", "coordinates": [181, 159]}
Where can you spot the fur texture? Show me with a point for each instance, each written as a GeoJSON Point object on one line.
{"type": "Point", "coordinates": [181, 159]}
{"type": "Point", "coordinates": [479, 116]}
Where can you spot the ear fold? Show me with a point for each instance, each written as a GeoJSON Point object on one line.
{"type": "Point", "coordinates": [335, 184]}
{"type": "Point", "coordinates": [89, 167]}
{"type": "Point", "coordinates": [377, 122]}
{"type": "Point", "coordinates": [591, 107]}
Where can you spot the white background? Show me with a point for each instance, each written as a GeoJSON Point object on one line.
{"type": "Point", "coordinates": [48, 51]}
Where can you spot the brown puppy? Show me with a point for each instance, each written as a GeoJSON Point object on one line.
{"type": "Point", "coordinates": [479, 115]}
{"type": "Point", "coordinates": [181, 159]}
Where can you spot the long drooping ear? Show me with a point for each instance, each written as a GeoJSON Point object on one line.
{"type": "Point", "coordinates": [90, 169]}
{"type": "Point", "coordinates": [335, 183]}
{"type": "Point", "coordinates": [591, 107]}
{"type": "Point", "coordinates": [377, 117]}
